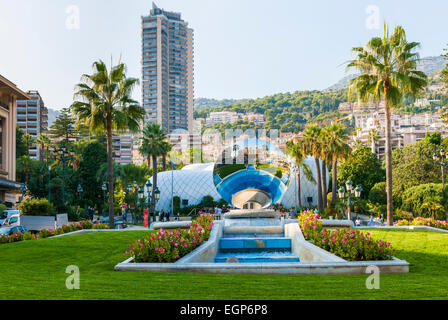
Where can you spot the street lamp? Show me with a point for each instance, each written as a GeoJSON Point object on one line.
{"type": "Point", "coordinates": [173, 167]}
{"type": "Point", "coordinates": [135, 196]}
{"type": "Point", "coordinates": [441, 158]}
{"type": "Point", "coordinates": [356, 191]}
{"type": "Point", "coordinates": [63, 154]}
{"type": "Point", "coordinates": [80, 192]}
{"type": "Point", "coordinates": [157, 194]}
{"type": "Point", "coordinates": [128, 190]}
{"type": "Point", "coordinates": [148, 193]}
{"type": "Point", "coordinates": [141, 194]}
{"type": "Point", "coordinates": [104, 188]}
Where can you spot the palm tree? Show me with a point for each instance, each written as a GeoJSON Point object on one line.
{"type": "Point", "coordinates": [106, 105]}
{"type": "Point", "coordinates": [337, 143]}
{"type": "Point", "coordinates": [433, 205]}
{"type": "Point", "coordinates": [312, 144]}
{"type": "Point", "coordinates": [153, 146]}
{"type": "Point", "coordinates": [28, 140]}
{"type": "Point", "coordinates": [44, 143]}
{"type": "Point", "coordinates": [388, 71]}
{"type": "Point", "coordinates": [295, 150]}
{"type": "Point", "coordinates": [166, 148]}
{"type": "Point", "coordinates": [373, 139]}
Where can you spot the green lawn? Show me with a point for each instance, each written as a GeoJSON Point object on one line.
{"type": "Point", "coordinates": [36, 270]}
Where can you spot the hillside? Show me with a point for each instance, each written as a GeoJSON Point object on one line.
{"type": "Point", "coordinates": [204, 103]}
{"type": "Point", "coordinates": [287, 112]}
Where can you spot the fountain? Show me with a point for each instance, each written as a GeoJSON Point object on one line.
{"type": "Point", "coordinates": [255, 235]}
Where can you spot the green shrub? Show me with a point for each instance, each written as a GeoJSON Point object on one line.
{"type": "Point", "coordinates": [207, 202]}
{"type": "Point", "coordinates": [3, 207]}
{"type": "Point", "coordinates": [169, 246]}
{"type": "Point", "coordinates": [378, 193]}
{"type": "Point", "coordinates": [176, 204]}
{"type": "Point", "coordinates": [36, 207]}
{"type": "Point", "coordinates": [349, 244]}
{"type": "Point", "coordinates": [416, 200]}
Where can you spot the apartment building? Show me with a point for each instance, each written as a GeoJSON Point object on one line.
{"type": "Point", "coordinates": [122, 148]}
{"type": "Point", "coordinates": [167, 70]}
{"type": "Point", "coordinates": [9, 94]}
{"type": "Point", "coordinates": [32, 118]}
{"type": "Point", "coordinates": [405, 128]}
{"type": "Point", "coordinates": [222, 117]}
{"type": "Point", "coordinates": [254, 117]}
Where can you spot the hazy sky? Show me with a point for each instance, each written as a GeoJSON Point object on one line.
{"type": "Point", "coordinates": [243, 48]}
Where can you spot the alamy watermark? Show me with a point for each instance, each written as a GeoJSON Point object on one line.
{"type": "Point", "coordinates": [373, 19]}
{"type": "Point", "coordinates": [73, 20]}
{"type": "Point", "coordinates": [373, 281]}
{"type": "Point", "coordinates": [72, 282]}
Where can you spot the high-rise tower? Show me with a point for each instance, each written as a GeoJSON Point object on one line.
{"type": "Point", "coordinates": [167, 70]}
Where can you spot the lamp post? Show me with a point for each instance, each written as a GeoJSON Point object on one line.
{"type": "Point", "coordinates": [80, 192]}
{"type": "Point", "coordinates": [135, 197]}
{"type": "Point", "coordinates": [350, 190]}
{"type": "Point", "coordinates": [128, 190]}
{"type": "Point", "coordinates": [141, 193]}
{"type": "Point", "coordinates": [64, 155]}
{"type": "Point", "coordinates": [173, 167]}
{"type": "Point", "coordinates": [156, 196]}
{"type": "Point", "coordinates": [104, 188]}
{"type": "Point", "coordinates": [441, 158]}
{"type": "Point", "coordinates": [148, 193]}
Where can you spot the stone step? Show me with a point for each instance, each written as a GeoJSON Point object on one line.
{"type": "Point", "coordinates": [227, 244]}
{"type": "Point", "coordinates": [263, 257]}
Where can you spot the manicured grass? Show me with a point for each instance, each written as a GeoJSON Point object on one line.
{"type": "Point", "coordinates": [36, 270]}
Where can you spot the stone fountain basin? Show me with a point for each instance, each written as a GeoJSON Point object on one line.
{"type": "Point", "coordinates": [250, 213]}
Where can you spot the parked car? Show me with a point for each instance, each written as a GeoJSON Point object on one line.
{"type": "Point", "coordinates": [9, 230]}
{"type": "Point", "coordinates": [5, 215]}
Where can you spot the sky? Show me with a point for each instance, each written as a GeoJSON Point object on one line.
{"type": "Point", "coordinates": [242, 48]}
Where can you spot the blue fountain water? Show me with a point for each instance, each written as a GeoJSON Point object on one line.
{"type": "Point", "coordinates": [255, 249]}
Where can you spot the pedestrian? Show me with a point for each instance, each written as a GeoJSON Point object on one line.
{"type": "Point", "coordinates": [167, 215]}
{"type": "Point", "coordinates": [161, 215]}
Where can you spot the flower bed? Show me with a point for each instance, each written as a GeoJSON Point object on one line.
{"type": "Point", "coordinates": [419, 221]}
{"type": "Point", "coordinates": [349, 244]}
{"type": "Point", "coordinates": [46, 233]}
{"type": "Point", "coordinates": [169, 246]}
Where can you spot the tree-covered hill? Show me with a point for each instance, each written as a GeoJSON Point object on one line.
{"type": "Point", "coordinates": [287, 112]}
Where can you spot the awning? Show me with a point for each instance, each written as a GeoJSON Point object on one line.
{"type": "Point", "coordinates": [9, 185]}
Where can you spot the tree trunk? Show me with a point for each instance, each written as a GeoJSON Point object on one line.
{"type": "Point", "coordinates": [319, 186]}
{"type": "Point", "coordinates": [164, 162]}
{"type": "Point", "coordinates": [154, 181]}
{"type": "Point", "coordinates": [390, 215]}
{"type": "Point", "coordinates": [110, 171]}
{"type": "Point", "coordinates": [373, 146]}
{"type": "Point", "coordinates": [324, 183]}
{"type": "Point", "coordinates": [334, 186]}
